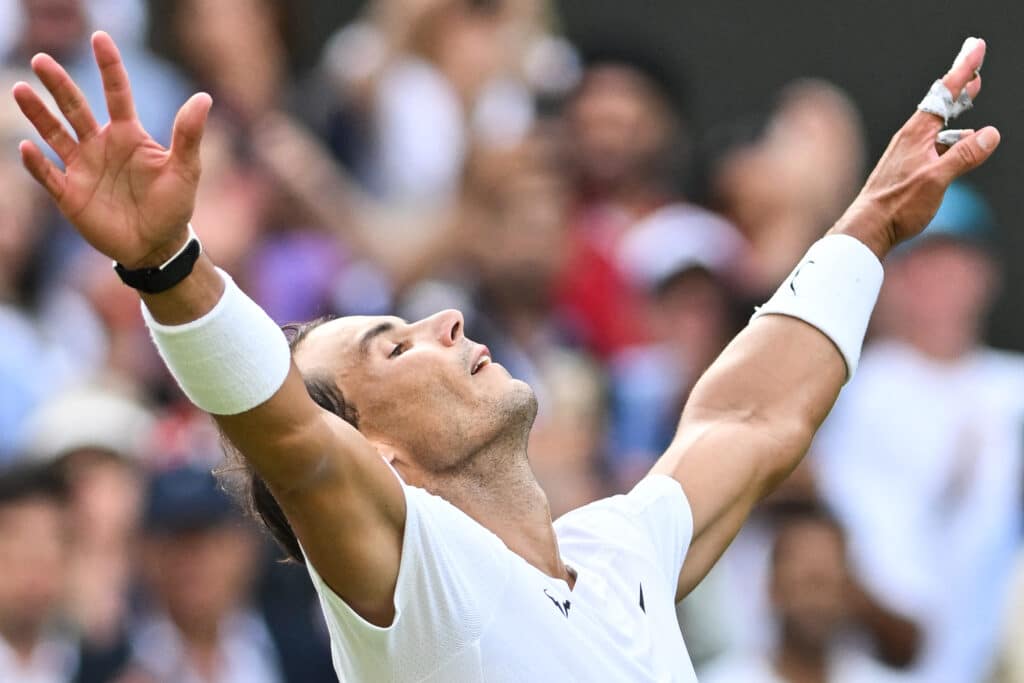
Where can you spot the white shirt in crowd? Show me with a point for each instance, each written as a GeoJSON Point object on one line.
{"type": "Point", "coordinates": [53, 660]}
{"type": "Point", "coordinates": [922, 462]}
{"type": "Point", "coordinates": [468, 609]}
{"type": "Point", "coordinates": [849, 667]}
{"type": "Point", "coordinates": [247, 653]}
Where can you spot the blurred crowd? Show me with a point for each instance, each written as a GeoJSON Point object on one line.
{"type": "Point", "coordinates": [464, 154]}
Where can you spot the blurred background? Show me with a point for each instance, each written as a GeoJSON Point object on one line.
{"type": "Point", "coordinates": [605, 191]}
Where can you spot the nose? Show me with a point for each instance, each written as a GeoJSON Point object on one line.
{"type": "Point", "coordinates": [448, 326]}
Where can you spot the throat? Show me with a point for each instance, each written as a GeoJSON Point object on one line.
{"type": "Point", "coordinates": [510, 503]}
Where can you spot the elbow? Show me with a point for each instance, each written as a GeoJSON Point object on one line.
{"type": "Point", "coordinates": [773, 445]}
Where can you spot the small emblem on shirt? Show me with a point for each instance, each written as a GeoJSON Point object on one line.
{"type": "Point", "coordinates": [642, 607]}
{"type": "Point", "coordinates": [562, 606]}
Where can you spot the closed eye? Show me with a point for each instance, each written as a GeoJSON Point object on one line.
{"type": "Point", "coordinates": [398, 350]}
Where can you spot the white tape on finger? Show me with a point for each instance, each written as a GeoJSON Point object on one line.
{"type": "Point", "coordinates": [966, 49]}
{"type": "Point", "coordinates": [940, 101]}
{"type": "Point", "coordinates": [948, 138]}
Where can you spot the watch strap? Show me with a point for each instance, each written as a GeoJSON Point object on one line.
{"type": "Point", "coordinates": [161, 278]}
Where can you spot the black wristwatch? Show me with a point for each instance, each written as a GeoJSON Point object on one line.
{"type": "Point", "coordinates": [162, 278]}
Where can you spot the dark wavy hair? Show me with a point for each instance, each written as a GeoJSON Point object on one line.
{"type": "Point", "coordinates": [239, 478]}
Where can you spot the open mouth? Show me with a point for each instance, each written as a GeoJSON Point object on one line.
{"type": "Point", "coordinates": [482, 363]}
{"type": "Point", "coordinates": [483, 359]}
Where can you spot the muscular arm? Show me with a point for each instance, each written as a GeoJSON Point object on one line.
{"type": "Point", "coordinates": [131, 199]}
{"type": "Point", "coordinates": [751, 417]}
{"type": "Point", "coordinates": [748, 422]}
{"type": "Point", "coordinates": [331, 483]}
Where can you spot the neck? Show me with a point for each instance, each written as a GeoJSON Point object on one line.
{"type": "Point", "coordinates": [940, 345]}
{"type": "Point", "coordinates": [22, 641]}
{"type": "Point", "coordinates": [202, 643]}
{"type": "Point", "coordinates": [636, 196]}
{"type": "Point", "coordinates": [802, 664]}
{"type": "Point", "coordinates": [499, 490]}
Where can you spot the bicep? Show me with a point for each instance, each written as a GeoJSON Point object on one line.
{"type": "Point", "coordinates": [721, 472]}
{"type": "Point", "coordinates": [748, 423]}
{"type": "Point", "coordinates": [342, 500]}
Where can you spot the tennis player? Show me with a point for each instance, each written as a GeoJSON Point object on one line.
{"type": "Point", "coordinates": [397, 450]}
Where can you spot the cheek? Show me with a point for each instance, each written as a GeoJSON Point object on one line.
{"type": "Point", "coordinates": [418, 399]}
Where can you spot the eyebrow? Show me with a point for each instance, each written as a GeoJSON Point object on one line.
{"type": "Point", "coordinates": [373, 333]}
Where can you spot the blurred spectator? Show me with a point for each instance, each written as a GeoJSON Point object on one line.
{"type": "Point", "coordinates": [683, 259]}
{"type": "Point", "coordinates": [785, 187]}
{"type": "Point", "coordinates": [429, 79]}
{"type": "Point", "coordinates": [237, 50]}
{"type": "Point", "coordinates": [199, 565]}
{"type": "Point", "coordinates": [628, 148]}
{"type": "Point", "coordinates": [61, 28]}
{"type": "Point", "coordinates": [39, 357]}
{"type": "Point", "coordinates": [95, 438]}
{"type": "Point", "coordinates": [922, 456]}
{"type": "Point", "coordinates": [814, 604]}
{"type": "Point", "coordinates": [732, 611]}
{"type": "Point", "coordinates": [33, 564]}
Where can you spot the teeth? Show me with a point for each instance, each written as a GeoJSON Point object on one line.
{"type": "Point", "coordinates": [481, 363]}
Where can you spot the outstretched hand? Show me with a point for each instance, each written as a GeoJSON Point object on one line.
{"type": "Point", "coordinates": [906, 187]}
{"type": "Point", "coordinates": [126, 194]}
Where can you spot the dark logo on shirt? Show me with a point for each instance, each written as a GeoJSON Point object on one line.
{"type": "Point", "coordinates": [563, 606]}
{"type": "Point", "coordinates": [642, 607]}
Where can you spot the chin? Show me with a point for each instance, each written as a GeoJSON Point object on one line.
{"type": "Point", "coordinates": [520, 404]}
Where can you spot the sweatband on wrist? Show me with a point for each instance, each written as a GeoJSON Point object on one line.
{"type": "Point", "coordinates": [834, 288]}
{"type": "Point", "coordinates": [229, 361]}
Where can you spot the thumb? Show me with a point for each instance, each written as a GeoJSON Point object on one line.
{"type": "Point", "coordinates": [969, 153]}
{"type": "Point", "coordinates": [188, 129]}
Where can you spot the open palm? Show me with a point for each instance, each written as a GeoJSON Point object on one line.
{"type": "Point", "coordinates": [126, 194]}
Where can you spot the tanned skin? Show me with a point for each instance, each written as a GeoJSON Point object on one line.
{"type": "Point", "coordinates": [748, 423]}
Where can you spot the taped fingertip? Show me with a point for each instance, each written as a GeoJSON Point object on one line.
{"type": "Point", "coordinates": [948, 138]}
{"type": "Point", "coordinates": [968, 47]}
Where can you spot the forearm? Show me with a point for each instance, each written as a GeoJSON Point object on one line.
{"type": "Point", "coordinates": [784, 371]}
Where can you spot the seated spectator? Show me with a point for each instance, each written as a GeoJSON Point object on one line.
{"type": "Point", "coordinates": [95, 439]}
{"type": "Point", "coordinates": [921, 457]}
{"type": "Point", "coordinates": [33, 566]}
{"type": "Point", "coordinates": [814, 603]}
{"type": "Point", "coordinates": [199, 562]}
{"type": "Point", "coordinates": [628, 149]}
{"type": "Point", "coordinates": [39, 357]}
{"type": "Point", "coordinates": [684, 260]}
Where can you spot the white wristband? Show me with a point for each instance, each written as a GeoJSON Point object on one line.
{"type": "Point", "coordinates": [834, 288]}
{"type": "Point", "coordinates": [229, 361]}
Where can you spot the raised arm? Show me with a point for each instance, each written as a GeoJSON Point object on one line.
{"type": "Point", "coordinates": [751, 417]}
{"type": "Point", "coordinates": [132, 200]}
